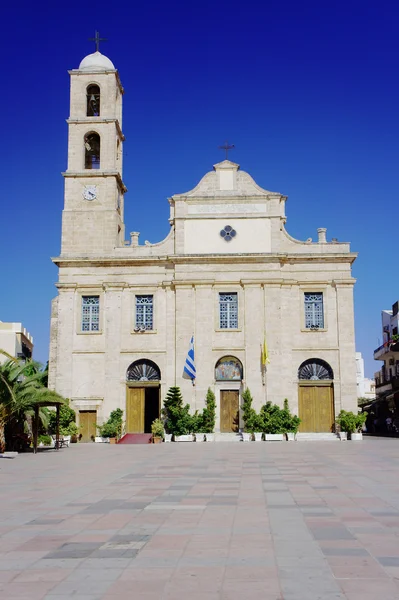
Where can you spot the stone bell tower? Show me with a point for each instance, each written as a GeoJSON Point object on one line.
{"type": "Point", "coordinates": [92, 220]}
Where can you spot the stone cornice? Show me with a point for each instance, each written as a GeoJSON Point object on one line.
{"type": "Point", "coordinates": [97, 173]}
{"type": "Point", "coordinates": [99, 72]}
{"type": "Point", "coordinates": [96, 121]}
{"type": "Point", "coordinates": [120, 261]}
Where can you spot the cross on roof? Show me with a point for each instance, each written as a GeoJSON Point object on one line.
{"type": "Point", "coordinates": [97, 39]}
{"type": "Point", "coordinates": [226, 147]}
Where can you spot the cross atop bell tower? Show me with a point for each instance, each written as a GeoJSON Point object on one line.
{"type": "Point", "coordinates": [97, 39]}
{"type": "Point", "coordinates": [94, 190]}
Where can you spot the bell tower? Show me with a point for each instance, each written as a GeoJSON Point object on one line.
{"type": "Point", "coordinates": [92, 219]}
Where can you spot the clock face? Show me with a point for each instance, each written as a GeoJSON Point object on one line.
{"type": "Point", "coordinates": [90, 192]}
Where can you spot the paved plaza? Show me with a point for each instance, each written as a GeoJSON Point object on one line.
{"type": "Point", "coordinates": [214, 521]}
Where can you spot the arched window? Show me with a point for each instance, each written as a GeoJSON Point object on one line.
{"type": "Point", "coordinates": [93, 101]}
{"type": "Point", "coordinates": [143, 370]}
{"type": "Point", "coordinates": [315, 369]}
{"type": "Point", "coordinates": [92, 151]}
{"type": "Point", "coordinates": [228, 368]}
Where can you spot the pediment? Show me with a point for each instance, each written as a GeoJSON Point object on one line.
{"type": "Point", "coordinates": [226, 180]}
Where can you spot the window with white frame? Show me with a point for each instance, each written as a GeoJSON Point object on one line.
{"type": "Point", "coordinates": [228, 311]}
{"type": "Point", "coordinates": [314, 314]}
{"type": "Point", "coordinates": [90, 313]}
{"type": "Point", "coordinates": [144, 312]}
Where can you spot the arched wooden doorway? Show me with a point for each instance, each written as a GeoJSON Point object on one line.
{"type": "Point", "coordinates": [228, 370]}
{"type": "Point", "coordinates": [316, 396]}
{"type": "Point", "coordinates": [142, 396]}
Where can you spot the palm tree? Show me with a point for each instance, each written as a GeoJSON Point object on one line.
{"type": "Point", "coordinates": [21, 392]}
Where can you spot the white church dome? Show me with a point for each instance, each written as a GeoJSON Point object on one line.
{"type": "Point", "coordinates": [96, 62]}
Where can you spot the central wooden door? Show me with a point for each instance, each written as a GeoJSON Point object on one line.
{"type": "Point", "coordinates": [228, 411]}
{"type": "Point", "coordinates": [87, 424]}
{"type": "Point", "coordinates": [316, 408]}
{"type": "Point", "coordinates": [135, 410]}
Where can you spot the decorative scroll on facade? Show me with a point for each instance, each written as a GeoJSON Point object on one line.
{"type": "Point", "coordinates": [315, 369]}
{"type": "Point", "coordinates": [143, 370]}
{"type": "Point", "coordinates": [228, 368]}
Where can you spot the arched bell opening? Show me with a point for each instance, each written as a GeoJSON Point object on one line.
{"type": "Point", "coordinates": [92, 146]}
{"type": "Point", "coordinates": [316, 396]}
{"type": "Point", "coordinates": [93, 101]}
{"type": "Point", "coordinates": [143, 397]}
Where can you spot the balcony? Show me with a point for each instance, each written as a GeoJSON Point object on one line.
{"type": "Point", "coordinates": [386, 348]}
{"type": "Point", "coordinates": [388, 385]}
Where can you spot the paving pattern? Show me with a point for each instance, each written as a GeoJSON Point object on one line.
{"type": "Point", "coordinates": [215, 521]}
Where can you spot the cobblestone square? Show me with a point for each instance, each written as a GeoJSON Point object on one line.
{"type": "Point", "coordinates": [221, 521]}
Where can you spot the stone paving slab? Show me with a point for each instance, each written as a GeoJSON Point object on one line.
{"type": "Point", "coordinates": [217, 521]}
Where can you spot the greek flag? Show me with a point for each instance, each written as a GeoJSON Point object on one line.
{"type": "Point", "coordinates": [189, 366]}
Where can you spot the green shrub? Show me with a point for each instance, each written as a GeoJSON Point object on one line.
{"type": "Point", "coordinates": [112, 427]}
{"type": "Point", "coordinates": [67, 416]}
{"type": "Point", "coordinates": [108, 430]}
{"type": "Point", "coordinates": [278, 420]}
{"type": "Point", "coordinates": [157, 428]}
{"type": "Point", "coordinates": [251, 419]}
{"type": "Point", "coordinates": [350, 422]}
{"type": "Point", "coordinates": [44, 439]}
{"type": "Point", "coordinates": [205, 421]}
{"type": "Point", "coordinates": [177, 418]}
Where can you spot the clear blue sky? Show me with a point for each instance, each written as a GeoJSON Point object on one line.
{"type": "Point", "coordinates": [307, 91]}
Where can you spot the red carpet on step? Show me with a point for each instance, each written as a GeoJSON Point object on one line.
{"type": "Point", "coordinates": [136, 438]}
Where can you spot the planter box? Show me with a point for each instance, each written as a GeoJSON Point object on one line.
{"type": "Point", "coordinates": [246, 437]}
{"type": "Point", "coordinates": [200, 437]}
{"type": "Point", "coordinates": [210, 437]}
{"type": "Point", "coordinates": [258, 437]}
{"type": "Point", "coordinates": [291, 437]}
{"type": "Point", "coordinates": [356, 437]}
{"type": "Point", "coordinates": [157, 440]}
{"type": "Point", "coordinates": [274, 437]}
{"type": "Point", "coordinates": [184, 438]}
{"type": "Point", "coordinates": [113, 440]}
{"type": "Point", "coordinates": [343, 436]}
{"type": "Point", "coordinates": [102, 440]}
{"type": "Point", "coordinates": [168, 437]}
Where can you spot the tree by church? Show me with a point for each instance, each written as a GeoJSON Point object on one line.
{"type": "Point", "coordinates": [21, 392]}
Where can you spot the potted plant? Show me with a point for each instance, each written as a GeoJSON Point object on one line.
{"type": "Point", "coordinates": [346, 424]}
{"type": "Point", "coordinates": [177, 419]}
{"type": "Point", "coordinates": [73, 432]}
{"type": "Point", "coordinates": [290, 422]}
{"type": "Point", "coordinates": [272, 420]}
{"type": "Point", "coordinates": [44, 440]}
{"type": "Point", "coordinates": [158, 431]}
{"type": "Point", "coordinates": [109, 430]}
{"type": "Point", "coordinates": [357, 435]}
{"type": "Point", "coordinates": [203, 424]}
{"type": "Point", "coordinates": [112, 428]}
{"type": "Point", "coordinates": [249, 416]}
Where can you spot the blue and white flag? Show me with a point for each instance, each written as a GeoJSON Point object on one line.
{"type": "Point", "coordinates": [189, 371]}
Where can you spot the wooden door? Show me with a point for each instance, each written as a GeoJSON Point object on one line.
{"type": "Point", "coordinates": [324, 404]}
{"type": "Point", "coordinates": [228, 411]}
{"type": "Point", "coordinates": [135, 410]}
{"type": "Point", "coordinates": [87, 422]}
{"type": "Point", "coordinates": [316, 408]}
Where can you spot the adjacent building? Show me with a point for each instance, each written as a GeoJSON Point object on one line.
{"type": "Point", "coordinates": [387, 378]}
{"type": "Point", "coordinates": [15, 340]}
{"type": "Point", "coordinates": [365, 386]}
{"type": "Point", "coordinates": [228, 273]}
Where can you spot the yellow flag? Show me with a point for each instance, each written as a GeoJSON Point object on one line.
{"type": "Point", "coordinates": [265, 354]}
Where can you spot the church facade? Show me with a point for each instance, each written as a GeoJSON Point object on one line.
{"type": "Point", "coordinates": [228, 274]}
